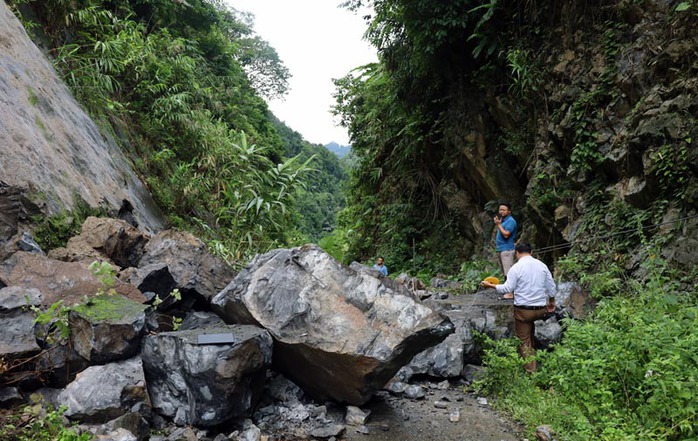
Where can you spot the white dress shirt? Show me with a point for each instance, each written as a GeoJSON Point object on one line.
{"type": "Point", "coordinates": [530, 281]}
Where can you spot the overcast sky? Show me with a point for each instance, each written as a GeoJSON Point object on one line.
{"type": "Point", "coordinates": [317, 41]}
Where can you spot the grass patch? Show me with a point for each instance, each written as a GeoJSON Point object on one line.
{"type": "Point", "coordinates": [627, 373]}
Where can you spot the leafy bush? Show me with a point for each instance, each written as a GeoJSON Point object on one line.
{"type": "Point", "coordinates": [474, 271]}
{"type": "Point", "coordinates": [627, 373]}
{"type": "Point", "coordinates": [54, 231]}
{"type": "Point", "coordinates": [36, 423]}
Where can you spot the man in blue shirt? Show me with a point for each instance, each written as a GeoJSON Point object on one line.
{"type": "Point", "coordinates": [506, 236]}
{"type": "Point", "coordinates": [381, 267]}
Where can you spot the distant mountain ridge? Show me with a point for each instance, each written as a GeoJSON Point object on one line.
{"type": "Point", "coordinates": [339, 150]}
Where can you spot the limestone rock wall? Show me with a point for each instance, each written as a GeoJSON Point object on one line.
{"type": "Point", "coordinates": [49, 147]}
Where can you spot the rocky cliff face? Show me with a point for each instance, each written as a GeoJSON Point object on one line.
{"type": "Point", "coordinates": [51, 153]}
{"type": "Point", "coordinates": [597, 135]}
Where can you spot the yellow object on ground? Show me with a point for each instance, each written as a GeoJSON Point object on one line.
{"type": "Point", "coordinates": [493, 280]}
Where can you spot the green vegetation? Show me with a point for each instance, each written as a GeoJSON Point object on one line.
{"type": "Point", "coordinates": [628, 372]}
{"type": "Point", "coordinates": [323, 194]}
{"type": "Point", "coordinates": [475, 271]}
{"type": "Point", "coordinates": [54, 231]}
{"type": "Point", "coordinates": [36, 423]}
{"type": "Point", "coordinates": [56, 315]}
{"type": "Point", "coordinates": [106, 275]}
{"type": "Point", "coordinates": [105, 307]}
{"type": "Point", "coordinates": [183, 81]}
{"type": "Point", "coordinates": [463, 103]}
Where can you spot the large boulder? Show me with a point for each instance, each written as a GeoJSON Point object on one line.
{"type": "Point", "coordinates": [102, 237]}
{"type": "Point", "coordinates": [204, 382]}
{"type": "Point", "coordinates": [69, 282]}
{"type": "Point", "coordinates": [194, 269]}
{"type": "Point", "coordinates": [107, 328]}
{"type": "Point", "coordinates": [339, 333]}
{"type": "Point", "coordinates": [102, 393]}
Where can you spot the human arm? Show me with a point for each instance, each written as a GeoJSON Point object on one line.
{"type": "Point", "coordinates": [551, 289]}
{"type": "Point", "coordinates": [507, 286]}
{"type": "Point", "coordinates": [506, 226]}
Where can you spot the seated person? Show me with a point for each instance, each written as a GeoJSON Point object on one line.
{"type": "Point", "coordinates": [380, 266]}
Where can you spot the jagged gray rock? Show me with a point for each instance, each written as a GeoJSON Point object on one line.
{"type": "Point", "coordinates": [206, 385]}
{"type": "Point", "coordinates": [102, 393]}
{"type": "Point", "coordinates": [17, 334]}
{"type": "Point", "coordinates": [195, 270]}
{"type": "Point", "coordinates": [339, 333]}
{"type": "Point", "coordinates": [15, 297]}
{"type": "Point", "coordinates": [107, 328]}
{"type": "Point", "coordinates": [155, 278]}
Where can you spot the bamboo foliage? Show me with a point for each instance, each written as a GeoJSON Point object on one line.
{"type": "Point", "coordinates": [190, 107]}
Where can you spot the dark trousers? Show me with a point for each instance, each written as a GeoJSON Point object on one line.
{"type": "Point", "coordinates": [525, 328]}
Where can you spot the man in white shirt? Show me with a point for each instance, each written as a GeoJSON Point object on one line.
{"type": "Point", "coordinates": [534, 296]}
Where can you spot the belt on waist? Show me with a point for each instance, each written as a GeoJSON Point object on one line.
{"type": "Point", "coordinates": [531, 308]}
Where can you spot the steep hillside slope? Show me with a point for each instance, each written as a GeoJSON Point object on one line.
{"type": "Point", "coordinates": [50, 150]}
{"type": "Point", "coordinates": [595, 133]}
{"type": "Point", "coordinates": [582, 113]}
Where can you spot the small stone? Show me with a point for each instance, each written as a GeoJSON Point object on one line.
{"type": "Point", "coordinates": [396, 387]}
{"type": "Point", "coordinates": [355, 416]}
{"type": "Point", "coordinates": [440, 405]}
{"type": "Point", "coordinates": [327, 431]}
{"type": "Point", "coordinates": [454, 416]}
{"type": "Point", "coordinates": [363, 429]}
{"type": "Point", "coordinates": [544, 433]}
{"type": "Point", "coordinates": [482, 401]}
{"type": "Point", "coordinates": [415, 392]}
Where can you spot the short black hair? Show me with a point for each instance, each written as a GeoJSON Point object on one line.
{"type": "Point", "coordinates": [524, 248]}
{"type": "Point", "coordinates": [506, 204]}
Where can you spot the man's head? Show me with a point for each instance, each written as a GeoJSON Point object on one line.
{"type": "Point", "coordinates": [379, 261]}
{"type": "Point", "coordinates": [523, 248]}
{"type": "Point", "coordinates": [504, 209]}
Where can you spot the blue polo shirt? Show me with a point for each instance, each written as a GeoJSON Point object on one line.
{"type": "Point", "coordinates": [509, 224]}
{"type": "Point", "coordinates": [383, 269]}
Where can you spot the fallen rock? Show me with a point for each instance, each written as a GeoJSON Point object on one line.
{"type": "Point", "coordinates": [15, 297]}
{"type": "Point", "coordinates": [339, 333]}
{"type": "Point", "coordinates": [102, 393]}
{"type": "Point", "coordinates": [194, 269]}
{"type": "Point", "coordinates": [102, 237]}
{"type": "Point", "coordinates": [69, 282]}
{"type": "Point", "coordinates": [107, 328]}
{"type": "Point", "coordinates": [17, 335]}
{"type": "Point", "coordinates": [206, 384]}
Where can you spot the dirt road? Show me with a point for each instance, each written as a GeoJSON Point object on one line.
{"type": "Point", "coordinates": [443, 415]}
